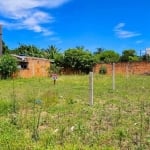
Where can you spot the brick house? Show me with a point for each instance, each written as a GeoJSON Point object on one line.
{"type": "Point", "coordinates": [32, 66]}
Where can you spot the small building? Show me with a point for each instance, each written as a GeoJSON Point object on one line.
{"type": "Point", "coordinates": [32, 66]}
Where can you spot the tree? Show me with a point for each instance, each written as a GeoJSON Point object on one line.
{"type": "Point", "coordinates": [8, 66]}
{"type": "Point", "coordinates": [79, 60]}
{"type": "Point", "coordinates": [99, 50]}
{"type": "Point", "coordinates": [59, 59]}
{"type": "Point", "coordinates": [28, 50]}
{"type": "Point", "coordinates": [57, 64]}
{"type": "Point", "coordinates": [129, 55]}
{"type": "Point", "coordinates": [5, 48]}
{"type": "Point", "coordinates": [51, 52]}
{"type": "Point", "coordinates": [108, 56]}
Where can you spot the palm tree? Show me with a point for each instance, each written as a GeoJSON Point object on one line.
{"type": "Point", "coordinates": [52, 51]}
{"type": "Point", "coordinates": [99, 50]}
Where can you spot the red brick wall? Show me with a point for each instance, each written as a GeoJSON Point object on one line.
{"type": "Point", "coordinates": [123, 68]}
{"type": "Point", "coordinates": [37, 67]}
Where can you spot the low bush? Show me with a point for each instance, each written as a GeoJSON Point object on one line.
{"type": "Point", "coordinates": [103, 70]}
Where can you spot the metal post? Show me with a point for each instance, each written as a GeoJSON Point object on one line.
{"type": "Point", "coordinates": [91, 88]}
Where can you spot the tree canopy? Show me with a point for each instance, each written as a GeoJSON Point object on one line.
{"type": "Point", "coordinates": [79, 59]}
{"type": "Point", "coordinates": [5, 48]}
{"type": "Point", "coordinates": [129, 55]}
{"type": "Point", "coordinates": [51, 52]}
{"type": "Point", "coordinates": [108, 56]}
{"type": "Point", "coordinates": [28, 50]}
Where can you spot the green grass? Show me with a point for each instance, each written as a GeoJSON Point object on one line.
{"type": "Point", "coordinates": [37, 115]}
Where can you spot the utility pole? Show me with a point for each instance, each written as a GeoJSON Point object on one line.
{"type": "Point", "coordinates": [1, 47]}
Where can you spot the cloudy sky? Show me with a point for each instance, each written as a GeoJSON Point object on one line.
{"type": "Point", "coordinates": [109, 24]}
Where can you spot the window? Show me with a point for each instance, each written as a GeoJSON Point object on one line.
{"type": "Point", "coordinates": [24, 65]}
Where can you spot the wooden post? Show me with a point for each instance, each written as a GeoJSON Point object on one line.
{"type": "Point", "coordinates": [113, 76]}
{"type": "Point", "coordinates": [91, 88]}
{"type": "Point", "coordinates": [54, 81]}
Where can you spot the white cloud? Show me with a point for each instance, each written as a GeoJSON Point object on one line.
{"type": "Point", "coordinates": [139, 41]}
{"type": "Point", "coordinates": [121, 33]}
{"type": "Point", "coordinates": [120, 25]}
{"type": "Point", "coordinates": [27, 14]}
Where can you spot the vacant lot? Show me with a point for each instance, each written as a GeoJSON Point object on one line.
{"type": "Point", "coordinates": [36, 115]}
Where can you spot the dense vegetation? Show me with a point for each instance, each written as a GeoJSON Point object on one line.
{"type": "Point", "coordinates": [78, 59]}
{"type": "Point", "coordinates": [58, 117]}
{"type": "Point", "coordinates": [8, 66]}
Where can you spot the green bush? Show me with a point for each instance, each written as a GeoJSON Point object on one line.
{"type": "Point", "coordinates": [8, 66]}
{"type": "Point", "coordinates": [109, 56]}
{"type": "Point", "coordinates": [103, 70]}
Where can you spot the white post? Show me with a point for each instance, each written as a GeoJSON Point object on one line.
{"type": "Point", "coordinates": [113, 76]}
{"type": "Point", "coordinates": [91, 88]}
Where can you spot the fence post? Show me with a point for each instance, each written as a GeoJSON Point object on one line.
{"type": "Point", "coordinates": [91, 88]}
{"type": "Point", "coordinates": [113, 76]}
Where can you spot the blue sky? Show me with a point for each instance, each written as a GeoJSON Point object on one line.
{"type": "Point", "coordinates": [109, 24]}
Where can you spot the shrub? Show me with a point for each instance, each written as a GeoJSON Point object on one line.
{"type": "Point", "coordinates": [109, 56]}
{"type": "Point", "coordinates": [103, 70]}
{"type": "Point", "coordinates": [8, 66]}
{"type": "Point", "coordinates": [54, 69]}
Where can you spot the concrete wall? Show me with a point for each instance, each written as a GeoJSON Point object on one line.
{"type": "Point", "coordinates": [37, 67]}
{"type": "Point", "coordinates": [123, 68]}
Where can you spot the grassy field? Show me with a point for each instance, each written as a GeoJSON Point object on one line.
{"type": "Point", "coordinates": [36, 115]}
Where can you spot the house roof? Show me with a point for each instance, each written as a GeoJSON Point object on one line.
{"type": "Point", "coordinates": [25, 58]}
{"type": "Point", "coordinates": [20, 58]}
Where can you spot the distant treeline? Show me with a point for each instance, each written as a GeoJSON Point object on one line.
{"type": "Point", "coordinates": [78, 58]}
